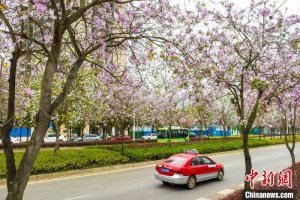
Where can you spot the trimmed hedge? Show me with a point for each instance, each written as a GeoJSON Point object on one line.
{"type": "Point", "coordinates": [99, 156]}
{"type": "Point", "coordinates": [160, 152]}
{"type": "Point", "coordinates": [68, 160]}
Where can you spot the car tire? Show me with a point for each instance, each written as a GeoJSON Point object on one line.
{"type": "Point", "coordinates": [220, 175]}
{"type": "Point", "coordinates": [191, 183]}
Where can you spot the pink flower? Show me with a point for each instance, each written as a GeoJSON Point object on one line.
{"type": "Point", "coordinates": [47, 38]}
{"type": "Point", "coordinates": [51, 13]}
{"type": "Point", "coordinates": [135, 30]}
{"type": "Point", "coordinates": [291, 20]}
{"type": "Point", "coordinates": [28, 92]}
{"type": "Point", "coordinates": [264, 12]}
{"type": "Point", "coordinates": [40, 7]}
{"type": "Point", "coordinates": [142, 5]}
{"type": "Point", "coordinates": [121, 18]}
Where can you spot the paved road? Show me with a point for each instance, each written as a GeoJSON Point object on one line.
{"type": "Point", "coordinates": [139, 184]}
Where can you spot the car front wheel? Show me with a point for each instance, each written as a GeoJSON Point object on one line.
{"type": "Point", "coordinates": [220, 176]}
{"type": "Point", "coordinates": [191, 183]}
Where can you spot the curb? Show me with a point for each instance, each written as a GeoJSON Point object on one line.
{"type": "Point", "coordinates": [117, 168]}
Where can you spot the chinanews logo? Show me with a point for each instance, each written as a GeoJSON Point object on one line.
{"type": "Point", "coordinates": [269, 179]}
{"type": "Point", "coordinates": [284, 178]}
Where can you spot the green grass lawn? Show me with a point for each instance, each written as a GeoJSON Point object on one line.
{"type": "Point", "coordinates": [99, 156]}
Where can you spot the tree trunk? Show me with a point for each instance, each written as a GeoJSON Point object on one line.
{"type": "Point", "coordinates": [5, 130]}
{"type": "Point", "coordinates": [16, 191]}
{"type": "Point", "coordinates": [207, 131]}
{"type": "Point", "coordinates": [248, 162]}
{"type": "Point", "coordinates": [22, 176]}
{"type": "Point", "coordinates": [70, 133]}
{"type": "Point", "coordinates": [245, 133]}
{"type": "Point", "coordinates": [200, 131]}
{"type": "Point", "coordinates": [57, 133]}
{"type": "Point", "coordinates": [123, 132]}
{"type": "Point", "coordinates": [170, 134]}
{"type": "Point", "coordinates": [104, 133]}
{"type": "Point", "coordinates": [291, 149]}
{"type": "Point", "coordinates": [224, 132]}
{"type": "Point", "coordinates": [17, 187]}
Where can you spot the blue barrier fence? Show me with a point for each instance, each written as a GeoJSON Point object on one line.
{"type": "Point", "coordinates": [20, 132]}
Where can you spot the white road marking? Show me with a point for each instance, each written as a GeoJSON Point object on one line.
{"type": "Point", "coordinates": [225, 192]}
{"type": "Point", "coordinates": [78, 197]}
{"type": "Point", "coordinates": [202, 198]}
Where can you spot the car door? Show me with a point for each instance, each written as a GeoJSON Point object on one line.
{"type": "Point", "coordinates": [198, 169]}
{"type": "Point", "coordinates": [85, 138]}
{"type": "Point", "coordinates": [212, 169]}
{"type": "Point", "coordinates": [89, 138]}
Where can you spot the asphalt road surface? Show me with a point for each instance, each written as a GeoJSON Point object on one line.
{"type": "Point", "coordinates": [139, 183]}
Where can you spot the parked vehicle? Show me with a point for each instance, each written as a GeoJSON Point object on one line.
{"type": "Point", "coordinates": [76, 138]}
{"type": "Point", "coordinates": [150, 136]}
{"type": "Point", "coordinates": [13, 140]}
{"type": "Point", "coordinates": [177, 134]}
{"type": "Point", "coordinates": [52, 138]}
{"type": "Point", "coordinates": [119, 138]}
{"type": "Point", "coordinates": [188, 168]}
{"type": "Point", "coordinates": [91, 137]}
{"type": "Point", "coordinates": [104, 137]}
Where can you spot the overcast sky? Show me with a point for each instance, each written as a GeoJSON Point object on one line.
{"type": "Point", "coordinates": [292, 5]}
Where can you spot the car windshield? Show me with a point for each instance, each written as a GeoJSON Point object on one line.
{"type": "Point", "coordinates": [177, 160]}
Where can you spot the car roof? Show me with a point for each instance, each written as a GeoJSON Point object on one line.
{"type": "Point", "coordinates": [187, 155]}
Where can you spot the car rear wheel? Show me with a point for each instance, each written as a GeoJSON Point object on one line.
{"type": "Point", "coordinates": [191, 183]}
{"type": "Point", "coordinates": [220, 176]}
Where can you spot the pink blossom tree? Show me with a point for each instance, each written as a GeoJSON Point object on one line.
{"type": "Point", "coordinates": [288, 104]}
{"type": "Point", "coordinates": [245, 52]}
{"type": "Point", "coordinates": [84, 34]}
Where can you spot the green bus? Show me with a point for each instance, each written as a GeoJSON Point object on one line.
{"type": "Point", "coordinates": [177, 134]}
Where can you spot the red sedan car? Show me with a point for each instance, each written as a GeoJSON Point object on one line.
{"type": "Point", "coordinates": [188, 168]}
{"type": "Point", "coordinates": [119, 138]}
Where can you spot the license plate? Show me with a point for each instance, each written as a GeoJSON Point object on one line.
{"type": "Point", "coordinates": [165, 170]}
